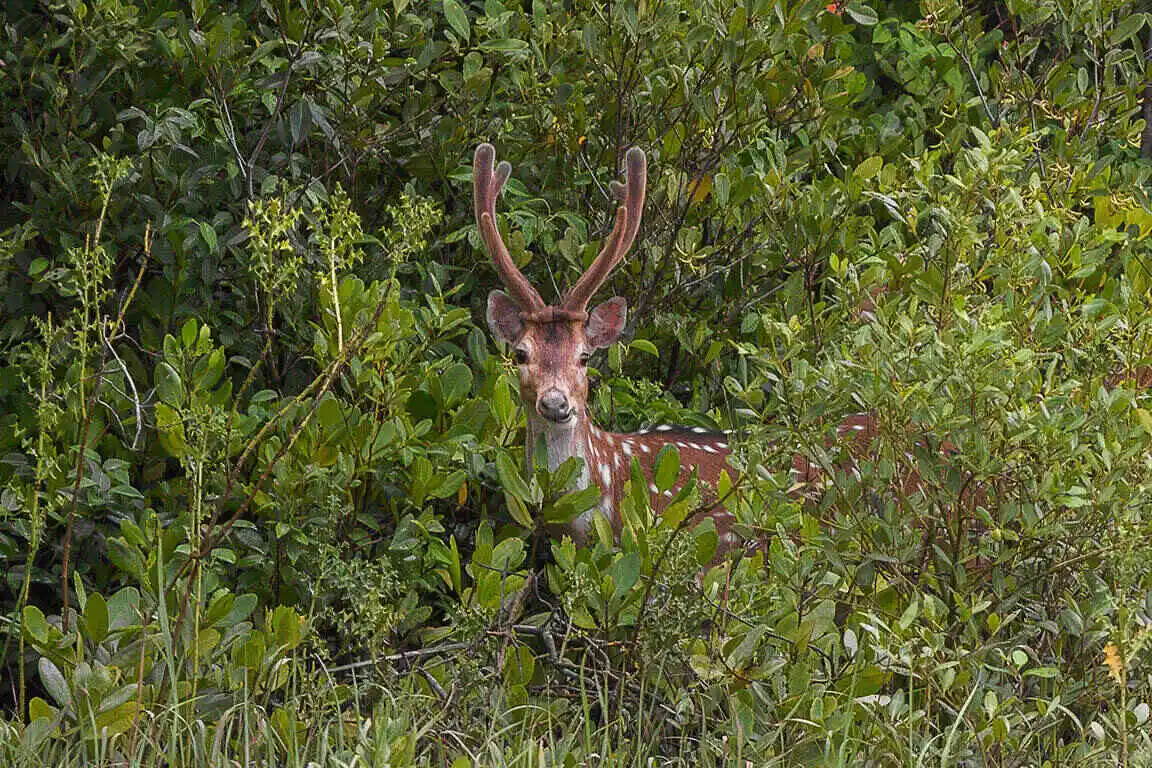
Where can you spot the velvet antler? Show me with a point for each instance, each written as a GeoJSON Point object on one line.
{"type": "Point", "coordinates": [487, 183]}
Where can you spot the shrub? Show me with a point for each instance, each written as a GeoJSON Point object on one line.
{"type": "Point", "coordinates": [263, 495]}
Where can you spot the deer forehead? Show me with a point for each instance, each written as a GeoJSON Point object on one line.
{"type": "Point", "coordinates": [555, 342]}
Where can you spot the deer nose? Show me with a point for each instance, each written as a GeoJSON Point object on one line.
{"type": "Point", "coordinates": [553, 405]}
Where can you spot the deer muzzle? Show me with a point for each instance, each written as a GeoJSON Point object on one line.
{"type": "Point", "coordinates": [553, 405]}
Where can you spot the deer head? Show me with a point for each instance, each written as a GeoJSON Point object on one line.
{"type": "Point", "coordinates": [552, 343]}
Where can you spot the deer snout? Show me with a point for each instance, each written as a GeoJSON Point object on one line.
{"type": "Point", "coordinates": [553, 405]}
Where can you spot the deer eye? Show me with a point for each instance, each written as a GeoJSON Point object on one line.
{"type": "Point", "coordinates": [521, 356]}
{"type": "Point", "coordinates": [584, 358]}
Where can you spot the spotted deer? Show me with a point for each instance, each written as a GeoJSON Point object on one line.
{"type": "Point", "coordinates": [552, 344]}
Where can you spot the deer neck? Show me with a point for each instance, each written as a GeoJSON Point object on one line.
{"type": "Point", "coordinates": [560, 442]}
{"type": "Point", "coordinates": [581, 439]}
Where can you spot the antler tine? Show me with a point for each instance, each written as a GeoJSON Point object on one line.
{"type": "Point", "coordinates": [487, 182]}
{"type": "Point", "coordinates": [623, 233]}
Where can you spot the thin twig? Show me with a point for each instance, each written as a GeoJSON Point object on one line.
{"type": "Point", "coordinates": [419, 653]}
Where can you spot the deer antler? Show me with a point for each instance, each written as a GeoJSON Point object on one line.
{"type": "Point", "coordinates": [631, 195]}
{"type": "Point", "coordinates": [486, 184]}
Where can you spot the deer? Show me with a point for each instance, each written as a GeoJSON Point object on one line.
{"type": "Point", "coordinates": [552, 344]}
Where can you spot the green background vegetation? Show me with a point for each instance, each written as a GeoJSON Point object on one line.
{"type": "Point", "coordinates": [262, 498]}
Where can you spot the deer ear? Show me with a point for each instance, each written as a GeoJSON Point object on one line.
{"type": "Point", "coordinates": [606, 322]}
{"type": "Point", "coordinates": [504, 317]}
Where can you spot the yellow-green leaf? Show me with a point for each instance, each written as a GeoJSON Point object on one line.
{"type": "Point", "coordinates": [96, 617]}
{"type": "Point", "coordinates": [869, 168]}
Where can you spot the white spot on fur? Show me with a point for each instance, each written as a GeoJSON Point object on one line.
{"type": "Point", "coordinates": [668, 494]}
{"type": "Point", "coordinates": [606, 476]}
{"type": "Point", "coordinates": [699, 430]}
{"type": "Point", "coordinates": [680, 444]}
{"type": "Point", "coordinates": [709, 449]}
{"type": "Point", "coordinates": [652, 487]}
{"type": "Point", "coordinates": [663, 428]}
{"type": "Point", "coordinates": [627, 449]}
{"type": "Point", "coordinates": [616, 460]}
{"type": "Point", "coordinates": [644, 447]}
{"type": "Point", "coordinates": [694, 446]}
{"type": "Point", "coordinates": [722, 446]}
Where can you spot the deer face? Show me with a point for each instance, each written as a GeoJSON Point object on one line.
{"type": "Point", "coordinates": [551, 347]}
{"type": "Point", "coordinates": [552, 344]}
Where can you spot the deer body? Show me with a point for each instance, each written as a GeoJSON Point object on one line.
{"type": "Point", "coordinates": [552, 344]}
{"type": "Point", "coordinates": [608, 459]}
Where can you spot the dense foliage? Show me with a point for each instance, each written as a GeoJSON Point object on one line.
{"type": "Point", "coordinates": [262, 487]}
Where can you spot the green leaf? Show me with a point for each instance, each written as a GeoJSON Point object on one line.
{"type": "Point", "coordinates": [909, 615]}
{"type": "Point", "coordinates": [96, 618]}
{"type": "Point", "coordinates": [667, 467]}
{"type": "Point", "coordinates": [189, 332]}
{"type": "Point", "coordinates": [457, 19]}
{"type": "Point", "coordinates": [644, 346]}
{"type": "Point", "coordinates": [219, 608]}
{"type": "Point", "coordinates": [242, 608]}
{"type": "Point", "coordinates": [506, 45]}
{"type": "Point", "coordinates": [639, 488]}
{"type": "Point", "coordinates": [1145, 419]}
{"type": "Point", "coordinates": [625, 573]}
{"type": "Point", "coordinates": [81, 592]}
{"type": "Point", "coordinates": [263, 396]}
{"type": "Point", "coordinates": [422, 405]}
{"type": "Point", "coordinates": [117, 720]}
{"type": "Point", "coordinates": [455, 384]}
{"type": "Point", "coordinates": [519, 666]}
{"type": "Point", "coordinates": [448, 485]}
{"type": "Point", "coordinates": [737, 21]}
{"type": "Point", "coordinates": [862, 14]}
{"type": "Point", "coordinates": [127, 491]}
{"type": "Point", "coordinates": [209, 236]}
{"type": "Point", "coordinates": [746, 649]}
{"type": "Point", "coordinates": [35, 626]}
{"type": "Point", "coordinates": [287, 627]}
{"type": "Point", "coordinates": [572, 504]}
{"type": "Point", "coordinates": [169, 387]}
{"type": "Point", "coordinates": [1128, 28]}
{"type": "Point", "coordinates": [328, 413]}
{"type": "Point", "coordinates": [519, 512]}
{"type": "Point", "coordinates": [124, 608]}
{"type": "Point", "coordinates": [511, 478]}
{"type": "Point", "coordinates": [55, 683]}
{"type": "Point", "coordinates": [171, 428]}
{"type": "Point", "coordinates": [869, 167]}
{"type": "Point", "coordinates": [508, 555]}
{"type": "Point", "coordinates": [38, 265]}
{"type": "Point", "coordinates": [604, 533]}
{"type": "Point", "coordinates": [38, 708]}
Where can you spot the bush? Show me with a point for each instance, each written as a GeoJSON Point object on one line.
{"type": "Point", "coordinates": [263, 496]}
